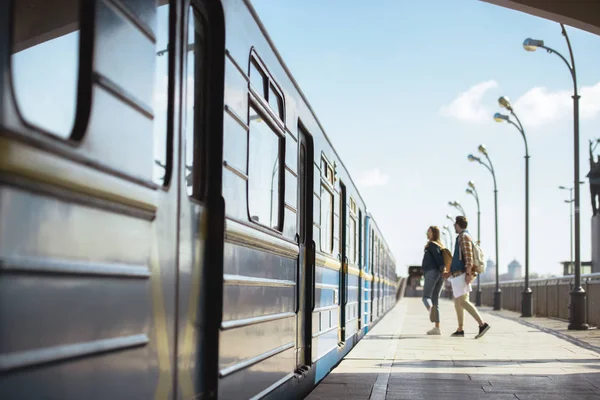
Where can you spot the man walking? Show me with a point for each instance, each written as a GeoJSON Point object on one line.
{"type": "Point", "coordinates": [462, 265]}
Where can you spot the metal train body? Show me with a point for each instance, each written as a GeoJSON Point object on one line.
{"type": "Point", "coordinates": [174, 222]}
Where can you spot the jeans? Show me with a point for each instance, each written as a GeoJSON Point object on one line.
{"type": "Point", "coordinates": [431, 292]}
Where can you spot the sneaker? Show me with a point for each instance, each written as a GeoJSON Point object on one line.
{"type": "Point", "coordinates": [458, 334]}
{"type": "Point", "coordinates": [434, 331]}
{"type": "Point", "coordinates": [482, 330]}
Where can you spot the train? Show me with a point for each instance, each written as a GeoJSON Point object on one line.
{"type": "Point", "coordinates": [174, 221]}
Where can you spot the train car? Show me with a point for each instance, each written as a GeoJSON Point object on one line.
{"type": "Point", "coordinates": [380, 269]}
{"type": "Point", "coordinates": [174, 221]}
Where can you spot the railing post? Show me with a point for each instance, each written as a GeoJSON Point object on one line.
{"type": "Point", "coordinates": [547, 299]}
{"type": "Point", "coordinates": [587, 301]}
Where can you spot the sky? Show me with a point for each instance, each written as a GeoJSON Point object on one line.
{"type": "Point", "coordinates": [421, 81]}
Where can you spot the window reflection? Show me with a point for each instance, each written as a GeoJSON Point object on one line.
{"type": "Point", "coordinates": [264, 197]}
{"type": "Point", "coordinates": [45, 63]}
{"type": "Point", "coordinates": [194, 113]}
{"type": "Point", "coordinates": [276, 102]}
{"type": "Point", "coordinates": [161, 96]}
{"type": "Point", "coordinates": [352, 238]}
{"type": "Point", "coordinates": [326, 219]}
{"type": "Point", "coordinates": [258, 79]}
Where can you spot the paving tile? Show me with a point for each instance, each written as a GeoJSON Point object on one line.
{"type": "Point", "coordinates": [547, 396]}
{"type": "Point", "coordinates": [514, 360]}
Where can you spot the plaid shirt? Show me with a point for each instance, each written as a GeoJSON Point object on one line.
{"type": "Point", "coordinates": [466, 249]}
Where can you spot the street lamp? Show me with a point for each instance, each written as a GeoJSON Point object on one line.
{"type": "Point", "coordinates": [472, 191]}
{"type": "Point", "coordinates": [447, 228]}
{"type": "Point", "coordinates": [577, 306]}
{"type": "Point", "coordinates": [527, 298]}
{"type": "Point", "coordinates": [445, 238]}
{"type": "Point", "coordinates": [490, 167]}
{"type": "Point", "coordinates": [570, 201]}
{"type": "Point", "coordinates": [457, 205]}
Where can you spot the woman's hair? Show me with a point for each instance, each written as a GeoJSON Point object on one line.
{"type": "Point", "coordinates": [435, 233]}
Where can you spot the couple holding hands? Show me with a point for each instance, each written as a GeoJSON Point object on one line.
{"type": "Point", "coordinates": [436, 270]}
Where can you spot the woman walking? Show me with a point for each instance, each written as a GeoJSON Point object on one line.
{"type": "Point", "coordinates": [433, 265]}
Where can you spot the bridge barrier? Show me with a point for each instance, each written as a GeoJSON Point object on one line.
{"type": "Point", "coordinates": [551, 296]}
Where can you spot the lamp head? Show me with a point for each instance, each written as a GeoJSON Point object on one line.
{"type": "Point", "coordinates": [450, 203]}
{"type": "Point", "coordinates": [471, 157]}
{"type": "Point", "coordinates": [562, 187]}
{"type": "Point", "coordinates": [505, 102]}
{"type": "Point", "coordinates": [469, 191]}
{"type": "Point", "coordinates": [449, 216]}
{"type": "Point", "coordinates": [482, 149]}
{"type": "Point", "coordinates": [500, 117]}
{"type": "Point", "coordinates": [532, 44]}
{"type": "Point", "coordinates": [472, 184]}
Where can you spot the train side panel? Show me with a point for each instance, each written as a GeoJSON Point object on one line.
{"type": "Point", "coordinates": [87, 256]}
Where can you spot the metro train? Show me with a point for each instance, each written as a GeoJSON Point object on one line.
{"type": "Point", "coordinates": [174, 221]}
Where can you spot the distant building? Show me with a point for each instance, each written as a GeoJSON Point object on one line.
{"type": "Point", "coordinates": [490, 272]}
{"type": "Point", "coordinates": [515, 270]}
{"type": "Point", "coordinates": [569, 268]}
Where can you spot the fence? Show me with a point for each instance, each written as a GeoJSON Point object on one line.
{"type": "Point", "coordinates": [551, 296]}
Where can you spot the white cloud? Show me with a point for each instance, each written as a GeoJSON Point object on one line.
{"type": "Point", "coordinates": [540, 106]}
{"type": "Point", "coordinates": [468, 107]}
{"type": "Point", "coordinates": [373, 177]}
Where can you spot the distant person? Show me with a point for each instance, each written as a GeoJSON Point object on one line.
{"type": "Point", "coordinates": [433, 266]}
{"type": "Point", "coordinates": [462, 265]}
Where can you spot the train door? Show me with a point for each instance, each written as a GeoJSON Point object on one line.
{"type": "Point", "coordinates": [307, 250]}
{"type": "Point", "coordinates": [373, 264]}
{"type": "Point", "coordinates": [201, 210]}
{"type": "Point", "coordinates": [344, 259]}
{"type": "Point", "coordinates": [361, 266]}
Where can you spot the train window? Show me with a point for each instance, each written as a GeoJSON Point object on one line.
{"type": "Point", "coordinates": [258, 79]}
{"type": "Point", "coordinates": [353, 233]}
{"type": "Point", "coordinates": [264, 172]}
{"type": "Point", "coordinates": [326, 219]}
{"type": "Point", "coordinates": [352, 240]}
{"type": "Point", "coordinates": [276, 101]}
{"type": "Point", "coordinates": [360, 239]}
{"type": "Point", "coordinates": [45, 64]}
{"type": "Point", "coordinates": [195, 104]}
{"type": "Point", "coordinates": [330, 174]}
{"type": "Point", "coordinates": [372, 248]}
{"type": "Point", "coordinates": [327, 171]}
{"type": "Point", "coordinates": [162, 163]}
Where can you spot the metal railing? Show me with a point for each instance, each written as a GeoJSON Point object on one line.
{"type": "Point", "coordinates": [550, 296]}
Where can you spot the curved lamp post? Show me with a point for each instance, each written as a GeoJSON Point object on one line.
{"type": "Point", "coordinates": [447, 228]}
{"type": "Point", "coordinates": [445, 238]}
{"type": "Point", "coordinates": [577, 306]}
{"type": "Point", "coordinates": [472, 191]}
{"type": "Point", "coordinates": [570, 201]}
{"type": "Point", "coordinates": [457, 205]}
{"type": "Point", "coordinates": [490, 167]}
{"type": "Point", "coordinates": [526, 295]}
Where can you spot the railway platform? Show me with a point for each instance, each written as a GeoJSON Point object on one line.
{"type": "Point", "coordinates": [533, 358]}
